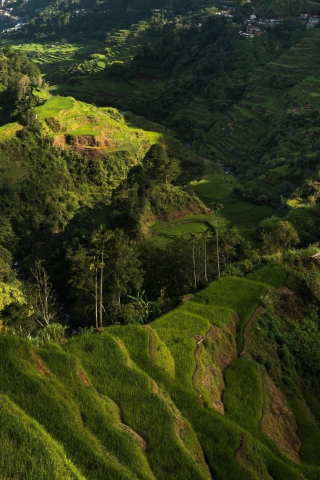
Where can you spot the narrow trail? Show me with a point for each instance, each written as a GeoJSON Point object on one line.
{"type": "Point", "coordinates": [258, 311]}
{"type": "Point", "coordinates": [199, 339]}
{"type": "Point", "coordinates": [254, 317]}
{"type": "Point", "coordinates": [242, 447]}
{"type": "Point", "coordinates": [241, 457]}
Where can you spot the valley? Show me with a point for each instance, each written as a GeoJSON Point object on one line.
{"type": "Point", "coordinates": [159, 241]}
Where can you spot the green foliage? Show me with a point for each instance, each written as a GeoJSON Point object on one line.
{"type": "Point", "coordinates": [11, 294]}
{"type": "Point", "coordinates": [54, 332]}
{"type": "Point", "coordinates": [313, 404]}
{"type": "Point", "coordinates": [121, 278]}
{"type": "Point", "coordinates": [273, 274]}
{"type": "Point", "coordinates": [19, 76]}
{"type": "Point", "coordinates": [281, 238]}
{"type": "Point", "coordinates": [243, 395]}
{"type": "Point", "coordinates": [286, 357]}
{"type": "Point", "coordinates": [305, 342]}
{"type": "Point", "coordinates": [309, 433]}
{"type": "Point", "coordinates": [158, 166]}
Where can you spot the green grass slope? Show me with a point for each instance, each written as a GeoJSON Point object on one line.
{"type": "Point", "coordinates": [125, 403]}
{"type": "Point", "coordinates": [27, 451]}
{"type": "Point", "coordinates": [242, 295]}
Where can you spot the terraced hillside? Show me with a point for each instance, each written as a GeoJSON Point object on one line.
{"type": "Point", "coordinates": [195, 405]}
{"type": "Point", "coordinates": [278, 109]}
{"type": "Point", "coordinates": [269, 87]}
{"type": "Point", "coordinates": [235, 213]}
{"type": "Point", "coordinates": [78, 69]}
{"type": "Point", "coordinates": [94, 131]}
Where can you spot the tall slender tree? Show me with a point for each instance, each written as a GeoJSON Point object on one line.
{"type": "Point", "coordinates": [95, 266]}
{"type": "Point", "coordinates": [216, 207]}
{"type": "Point", "coordinates": [195, 237]}
{"type": "Point", "coordinates": [101, 237]}
{"type": "Point", "coordinates": [205, 234]}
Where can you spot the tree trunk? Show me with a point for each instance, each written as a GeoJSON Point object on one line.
{"type": "Point", "coordinates": [194, 266]}
{"type": "Point", "coordinates": [96, 297]}
{"type": "Point", "coordinates": [205, 260]}
{"type": "Point", "coordinates": [217, 238]}
{"type": "Point", "coordinates": [101, 284]}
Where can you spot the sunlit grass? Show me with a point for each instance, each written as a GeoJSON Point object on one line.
{"type": "Point", "coordinates": [241, 295]}
{"type": "Point", "coordinates": [273, 274]}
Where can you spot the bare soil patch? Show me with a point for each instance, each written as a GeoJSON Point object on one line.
{"type": "Point", "coordinates": [277, 421]}
{"type": "Point", "coordinates": [140, 440]}
{"type": "Point", "coordinates": [40, 366]}
{"type": "Point", "coordinates": [83, 377]}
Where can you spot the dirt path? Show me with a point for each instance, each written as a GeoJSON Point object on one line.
{"type": "Point", "coordinates": [199, 339]}
{"type": "Point", "coordinates": [253, 466]}
{"type": "Point", "coordinates": [241, 450]}
{"type": "Point", "coordinates": [258, 311]}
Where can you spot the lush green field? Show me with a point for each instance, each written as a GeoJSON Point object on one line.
{"type": "Point", "coordinates": [273, 274]}
{"type": "Point", "coordinates": [60, 408]}
{"type": "Point", "coordinates": [243, 395]}
{"type": "Point", "coordinates": [112, 130]}
{"type": "Point", "coordinates": [178, 328]}
{"type": "Point", "coordinates": [242, 295]}
{"type": "Point", "coordinates": [309, 433]}
{"type": "Point", "coordinates": [22, 441]}
{"type": "Point", "coordinates": [179, 229]}
{"type": "Point", "coordinates": [54, 59]}
{"type": "Point", "coordinates": [84, 63]}
{"type": "Point", "coordinates": [123, 403]}
{"type": "Point", "coordinates": [9, 130]}
{"type": "Point", "coordinates": [215, 189]}
{"type": "Point", "coordinates": [277, 93]}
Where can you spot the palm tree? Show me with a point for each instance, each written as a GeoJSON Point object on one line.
{"type": "Point", "coordinates": [101, 237]}
{"type": "Point", "coordinates": [205, 234]}
{"type": "Point", "coordinates": [94, 266]}
{"type": "Point", "coordinates": [194, 237]}
{"type": "Point", "coordinates": [216, 207]}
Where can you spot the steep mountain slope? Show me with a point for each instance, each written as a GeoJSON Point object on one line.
{"type": "Point", "coordinates": [66, 155]}
{"type": "Point", "coordinates": [190, 408]}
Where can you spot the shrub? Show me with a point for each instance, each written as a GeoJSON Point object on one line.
{"type": "Point", "coordinates": [268, 364]}
{"type": "Point", "coordinates": [286, 356]}
{"type": "Point", "coordinates": [54, 332]}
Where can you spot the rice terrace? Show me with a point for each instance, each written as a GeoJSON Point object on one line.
{"type": "Point", "coordinates": [159, 240]}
